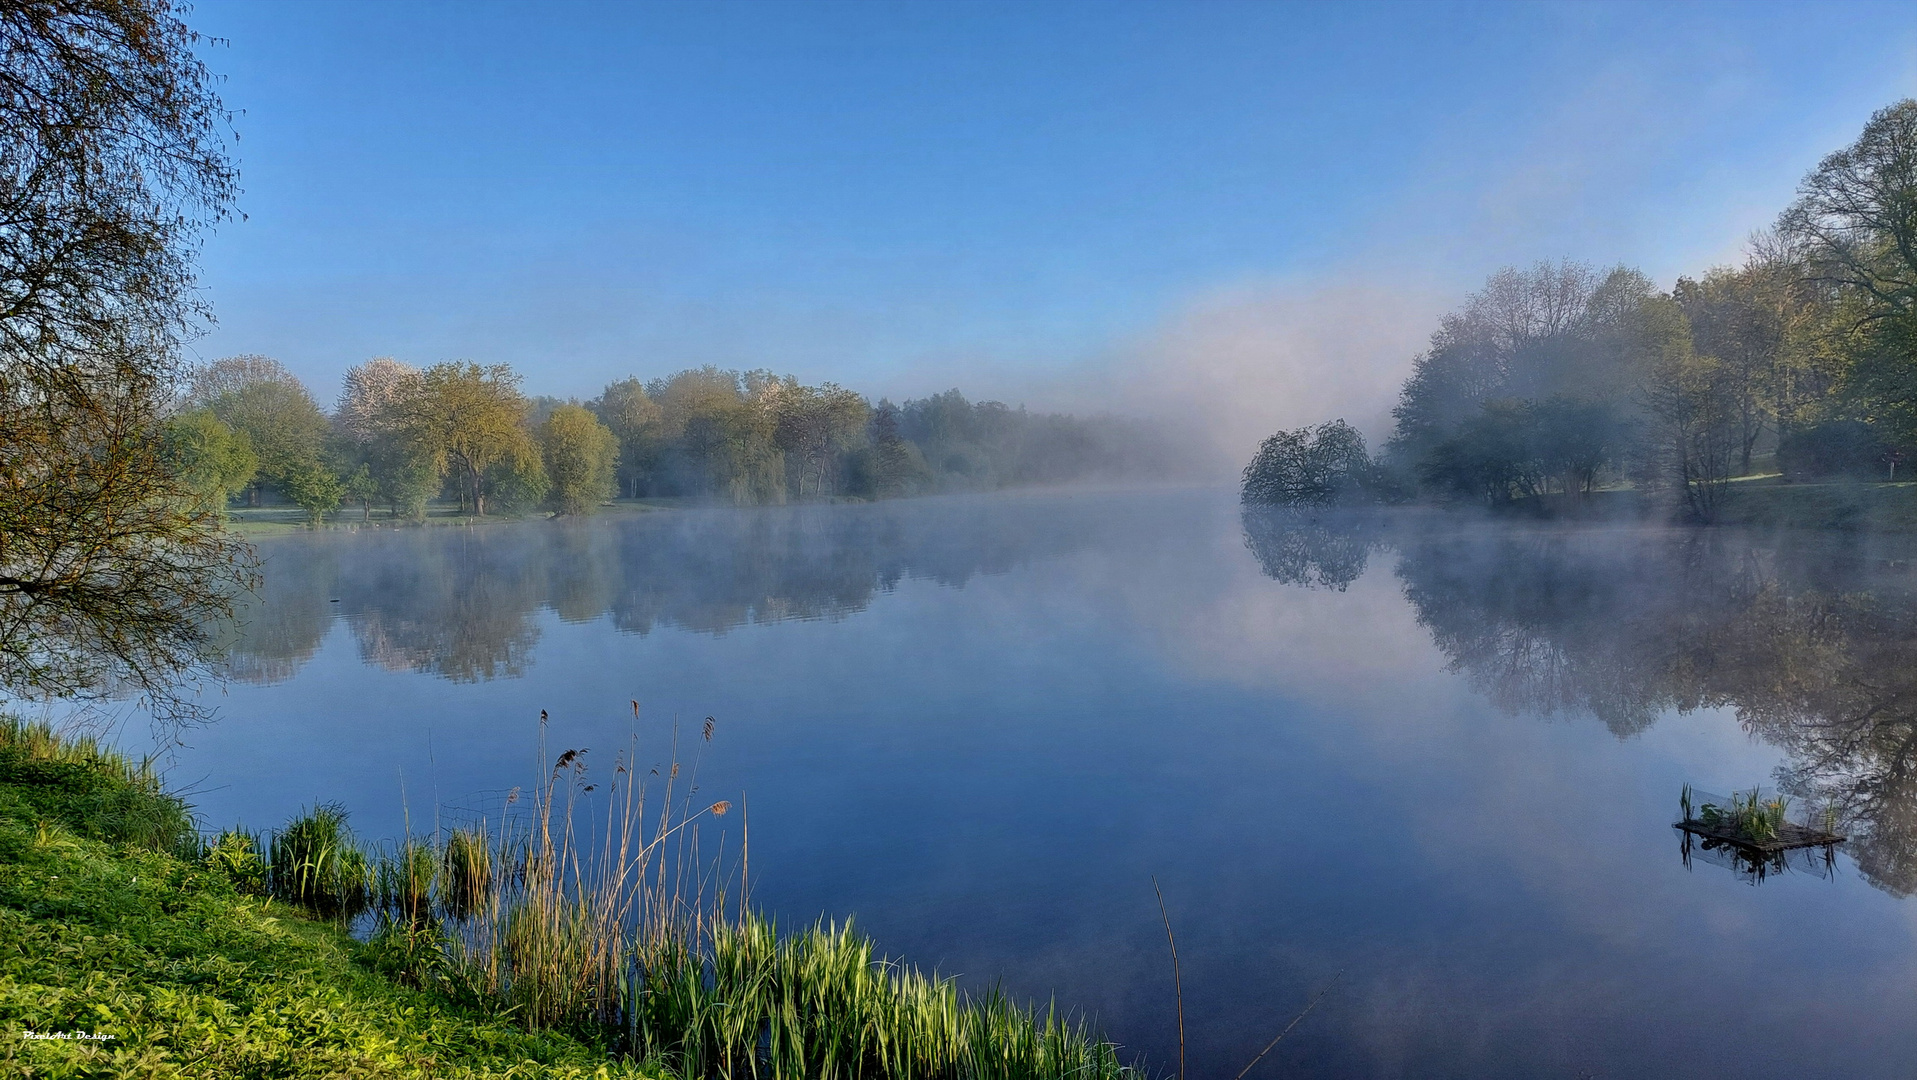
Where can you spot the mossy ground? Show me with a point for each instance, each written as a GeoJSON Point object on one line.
{"type": "Point", "coordinates": [102, 934]}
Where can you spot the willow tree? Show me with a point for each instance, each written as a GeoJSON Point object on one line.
{"type": "Point", "coordinates": [470, 421]}
{"type": "Point", "coordinates": [581, 455]}
{"type": "Point", "coordinates": [113, 163]}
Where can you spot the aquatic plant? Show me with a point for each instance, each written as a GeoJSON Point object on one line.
{"type": "Point", "coordinates": [406, 879]}
{"type": "Point", "coordinates": [465, 871]}
{"type": "Point", "coordinates": [315, 862]}
{"type": "Point", "coordinates": [1750, 815]}
{"type": "Point", "coordinates": [612, 927]}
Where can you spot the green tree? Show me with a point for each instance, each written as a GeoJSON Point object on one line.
{"type": "Point", "coordinates": [315, 489]}
{"type": "Point", "coordinates": [1693, 402]}
{"type": "Point", "coordinates": [639, 424]}
{"type": "Point", "coordinates": [360, 486]}
{"type": "Point", "coordinates": [1310, 467]}
{"type": "Point", "coordinates": [816, 429]}
{"type": "Point", "coordinates": [1854, 227]}
{"type": "Point", "coordinates": [471, 421]}
{"type": "Point", "coordinates": [720, 430]}
{"type": "Point", "coordinates": [581, 457]}
{"type": "Point", "coordinates": [258, 396]}
{"type": "Point", "coordinates": [889, 465]}
{"type": "Point", "coordinates": [1492, 457]}
{"type": "Point", "coordinates": [212, 460]}
{"type": "Point", "coordinates": [113, 570]}
{"type": "Point", "coordinates": [369, 427]}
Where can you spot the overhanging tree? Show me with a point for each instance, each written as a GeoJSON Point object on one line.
{"type": "Point", "coordinates": [113, 569]}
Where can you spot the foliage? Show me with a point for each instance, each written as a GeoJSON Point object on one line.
{"type": "Point", "coordinates": [583, 945]}
{"type": "Point", "coordinates": [258, 396]}
{"type": "Point", "coordinates": [1562, 379]}
{"type": "Point", "coordinates": [72, 781]}
{"type": "Point", "coordinates": [1836, 448]}
{"type": "Point", "coordinates": [888, 465]}
{"type": "Point", "coordinates": [597, 936]}
{"type": "Point", "coordinates": [974, 445]}
{"type": "Point", "coordinates": [314, 861]}
{"type": "Point", "coordinates": [212, 460]}
{"type": "Point", "coordinates": [192, 975]}
{"type": "Point", "coordinates": [1311, 467]}
{"type": "Point", "coordinates": [581, 458]}
{"type": "Point", "coordinates": [113, 568]}
{"type": "Point", "coordinates": [471, 421]}
{"type": "Point", "coordinates": [371, 444]}
{"type": "Point", "coordinates": [113, 143]}
{"type": "Point", "coordinates": [635, 420]}
{"type": "Point", "coordinates": [314, 488]}
{"type": "Point", "coordinates": [399, 435]}
{"type": "Point", "coordinates": [1749, 814]}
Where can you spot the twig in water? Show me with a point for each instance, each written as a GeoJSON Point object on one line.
{"type": "Point", "coordinates": [1178, 986]}
{"type": "Point", "coordinates": [1288, 1027]}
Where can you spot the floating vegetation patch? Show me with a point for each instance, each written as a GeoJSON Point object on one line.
{"type": "Point", "coordinates": [1757, 836]}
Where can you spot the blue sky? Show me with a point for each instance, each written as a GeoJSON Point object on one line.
{"type": "Point", "coordinates": [1085, 205]}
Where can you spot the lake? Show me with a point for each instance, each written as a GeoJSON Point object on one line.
{"type": "Point", "coordinates": [1428, 764]}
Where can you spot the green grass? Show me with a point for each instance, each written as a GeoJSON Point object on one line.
{"type": "Point", "coordinates": [102, 932]}
{"type": "Point", "coordinates": [1844, 505]}
{"type": "Point", "coordinates": [278, 520]}
{"type": "Point", "coordinates": [517, 950]}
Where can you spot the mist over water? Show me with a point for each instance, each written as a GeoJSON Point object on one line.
{"type": "Point", "coordinates": [1439, 757]}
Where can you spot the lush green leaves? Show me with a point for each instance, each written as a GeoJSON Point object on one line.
{"type": "Point", "coordinates": [581, 455]}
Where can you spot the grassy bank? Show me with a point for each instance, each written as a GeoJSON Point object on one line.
{"type": "Point", "coordinates": [524, 949]}
{"type": "Point", "coordinates": [276, 520]}
{"type": "Point", "coordinates": [1852, 505]}
{"type": "Point", "coordinates": [111, 924]}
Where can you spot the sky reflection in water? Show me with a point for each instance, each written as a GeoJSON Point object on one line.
{"type": "Point", "coordinates": [1441, 760]}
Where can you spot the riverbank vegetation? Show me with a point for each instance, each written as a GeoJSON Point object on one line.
{"type": "Point", "coordinates": [402, 436]}
{"type": "Point", "coordinates": [543, 944]}
{"type": "Point", "coordinates": [1554, 383]}
{"type": "Point", "coordinates": [113, 922]}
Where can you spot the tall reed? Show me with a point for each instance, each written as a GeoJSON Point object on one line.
{"type": "Point", "coordinates": [612, 925]}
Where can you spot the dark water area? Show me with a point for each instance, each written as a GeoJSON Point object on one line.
{"type": "Point", "coordinates": [1435, 762]}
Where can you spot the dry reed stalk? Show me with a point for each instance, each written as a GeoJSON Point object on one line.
{"type": "Point", "coordinates": [1178, 982]}
{"type": "Point", "coordinates": [1294, 1023]}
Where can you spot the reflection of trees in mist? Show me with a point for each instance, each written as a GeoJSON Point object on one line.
{"type": "Point", "coordinates": [462, 603]}
{"type": "Point", "coordinates": [1810, 639]}
{"type": "Point", "coordinates": [276, 630]}
{"type": "Point", "coordinates": [459, 606]}
{"type": "Point", "coordinates": [1317, 549]}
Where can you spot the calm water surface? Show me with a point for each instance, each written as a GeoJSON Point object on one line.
{"type": "Point", "coordinates": [1441, 761]}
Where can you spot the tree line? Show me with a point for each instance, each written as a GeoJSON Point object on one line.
{"type": "Point", "coordinates": [118, 460]}
{"type": "Point", "coordinates": [400, 436]}
{"type": "Point", "coordinates": [1562, 379]}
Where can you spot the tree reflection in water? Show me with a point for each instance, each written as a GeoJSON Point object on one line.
{"type": "Point", "coordinates": [463, 603]}
{"type": "Point", "coordinates": [1811, 638]}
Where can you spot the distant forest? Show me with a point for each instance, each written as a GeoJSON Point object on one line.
{"type": "Point", "coordinates": [1562, 380]}
{"type": "Point", "coordinates": [400, 437]}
